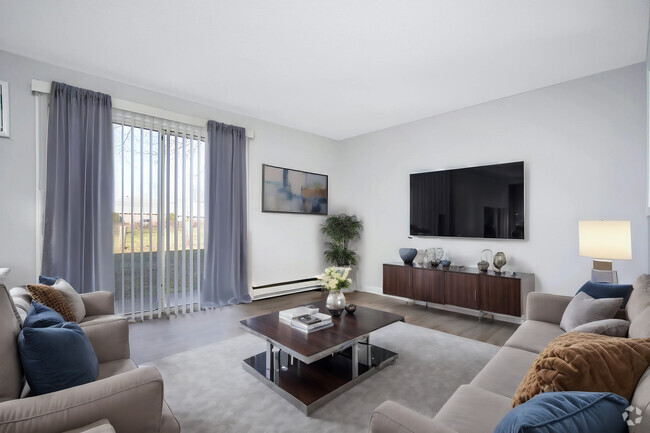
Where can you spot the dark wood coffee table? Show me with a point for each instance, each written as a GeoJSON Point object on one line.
{"type": "Point", "coordinates": [309, 370]}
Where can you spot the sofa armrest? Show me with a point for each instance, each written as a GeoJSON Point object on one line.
{"type": "Point", "coordinates": [109, 336]}
{"type": "Point", "coordinates": [390, 417]}
{"type": "Point", "coordinates": [98, 303]}
{"type": "Point", "coordinates": [545, 307]}
{"type": "Point", "coordinates": [131, 401]}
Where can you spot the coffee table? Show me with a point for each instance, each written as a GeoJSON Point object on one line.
{"type": "Point", "coordinates": [309, 370]}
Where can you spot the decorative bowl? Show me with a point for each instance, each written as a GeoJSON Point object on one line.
{"type": "Point", "coordinates": [483, 266]}
{"type": "Point", "coordinates": [407, 255]}
{"type": "Point", "coordinates": [350, 308]}
{"type": "Point", "coordinates": [445, 263]}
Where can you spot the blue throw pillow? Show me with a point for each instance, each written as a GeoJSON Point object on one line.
{"type": "Point", "coordinates": [607, 290]}
{"type": "Point", "coordinates": [40, 316]}
{"type": "Point", "coordinates": [48, 281]}
{"type": "Point", "coordinates": [567, 412]}
{"type": "Point", "coordinates": [57, 357]}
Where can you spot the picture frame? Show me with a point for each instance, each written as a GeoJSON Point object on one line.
{"type": "Point", "coordinates": [286, 190]}
{"type": "Point", "coordinates": [4, 109]}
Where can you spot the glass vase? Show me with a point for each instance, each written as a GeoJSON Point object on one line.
{"type": "Point", "coordinates": [335, 302]}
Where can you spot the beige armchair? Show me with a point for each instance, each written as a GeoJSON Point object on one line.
{"type": "Point", "coordinates": [128, 398]}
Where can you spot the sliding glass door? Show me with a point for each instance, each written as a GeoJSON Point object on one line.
{"type": "Point", "coordinates": [158, 219]}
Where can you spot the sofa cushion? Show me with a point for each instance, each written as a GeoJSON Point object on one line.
{"type": "Point", "coordinates": [50, 297]}
{"type": "Point", "coordinates": [607, 290]}
{"type": "Point", "coordinates": [567, 412]}
{"type": "Point", "coordinates": [112, 368]}
{"type": "Point", "coordinates": [503, 374]}
{"type": "Point", "coordinates": [578, 361]}
{"type": "Point", "coordinates": [98, 320]}
{"type": "Point", "coordinates": [639, 411]}
{"type": "Point", "coordinates": [584, 309]}
{"type": "Point", "coordinates": [11, 375]}
{"type": "Point", "coordinates": [22, 307]}
{"type": "Point", "coordinates": [22, 301]}
{"type": "Point", "coordinates": [472, 409]}
{"type": "Point", "coordinates": [48, 281]}
{"type": "Point", "coordinates": [101, 426]}
{"type": "Point", "coordinates": [640, 326]}
{"type": "Point", "coordinates": [534, 336]}
{"type": "Point", "coordinates": [611, 327]}
{"type": "Point", "coordinates": [640, 297]}
{"type": "Point", "coordinates": [40, 316]}
{"type": "Point", "coordinates": [72, 298]}
{"type": "Point", "coordinates": [57, 357]}
{"type": "Point", "coordinates": [21, 292]}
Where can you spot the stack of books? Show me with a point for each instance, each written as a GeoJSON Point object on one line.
{"type": "Point", "coordinates": [306, 319]}
{"type": "Point", "coordinates": [292, 313]}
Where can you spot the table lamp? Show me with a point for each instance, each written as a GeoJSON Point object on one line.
{"type": "Point", "coordinates": [605, 241]}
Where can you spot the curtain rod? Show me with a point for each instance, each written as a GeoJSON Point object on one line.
{"type": "Point", "coordinates": [39, 86]}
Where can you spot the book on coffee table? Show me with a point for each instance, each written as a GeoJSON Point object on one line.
{"type": "Point", "coordinates": [309, 322]}
{"type": "Point", "coordinates": [295, 324]}
{"type": "Point", "coordinates": [292, 313]}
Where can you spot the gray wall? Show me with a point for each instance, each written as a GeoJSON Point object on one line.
{"type": "Point", "coordinates": [584, 147]}
{"type": "Point", "coordinates": [583, 141]}
{"type": "Point", "coordinates": [283, 247]}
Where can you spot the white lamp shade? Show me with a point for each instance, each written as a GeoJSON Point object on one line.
{"type": "Point", "coordinates": [611, 240]}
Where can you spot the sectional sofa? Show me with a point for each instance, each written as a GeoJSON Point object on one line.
{"type": "Point", "coordinates": [479, 406]}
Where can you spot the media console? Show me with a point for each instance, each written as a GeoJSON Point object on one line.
{"type": "Point", "coordinates": [487, 292]}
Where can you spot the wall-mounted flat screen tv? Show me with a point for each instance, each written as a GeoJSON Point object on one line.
{"type": "Point", "coordinates": [476, 202]}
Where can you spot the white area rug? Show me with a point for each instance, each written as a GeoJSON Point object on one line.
{"type": "Point", "coordinates": [209, 391]}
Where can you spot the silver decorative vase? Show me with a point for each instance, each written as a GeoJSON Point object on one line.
{"type": "Point", "coordinates": [335, 302]}
{"type": "Point", "coordinates": [499, 261]}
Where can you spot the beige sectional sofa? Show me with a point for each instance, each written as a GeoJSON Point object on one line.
{"type": "Point", "coordinates": [124, 398]}
{"type": "Point", "coordinates": [479, 406]}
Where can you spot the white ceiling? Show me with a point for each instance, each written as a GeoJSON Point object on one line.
{"type": "Point", "coordinates": [337, 68]}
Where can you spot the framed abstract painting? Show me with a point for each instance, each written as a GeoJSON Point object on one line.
{"type": "Point", "coordinates": [285, 190]}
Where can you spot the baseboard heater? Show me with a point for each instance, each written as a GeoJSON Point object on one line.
{"type": "Point", "coordinates": [285, 288]}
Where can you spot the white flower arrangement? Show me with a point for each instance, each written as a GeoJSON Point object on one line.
{"type": "Point", "coordinates": [335, 280]}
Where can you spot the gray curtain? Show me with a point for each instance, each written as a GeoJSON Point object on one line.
{"type": "Point", "coordinates": [225, 270]}
{"type": "Point", "coordinates": [78, 231]}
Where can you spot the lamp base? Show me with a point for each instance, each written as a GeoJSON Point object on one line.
{"type": "Point", "coordinates": [602, 265]}
{"type": "Point", "coordinates": [598, 276]}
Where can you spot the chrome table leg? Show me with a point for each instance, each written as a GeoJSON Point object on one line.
{"type": "Point", "coordinates": [355, 360]}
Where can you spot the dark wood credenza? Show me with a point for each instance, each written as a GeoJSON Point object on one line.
{"type": "Point", "coordinates": [460, 286]}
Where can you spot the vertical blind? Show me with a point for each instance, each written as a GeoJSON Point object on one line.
{"type": "Point", "coordinates": [159, 215]}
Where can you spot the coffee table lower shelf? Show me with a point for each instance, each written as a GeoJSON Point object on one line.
{"type": "Point", "coordinates": [310, 386]}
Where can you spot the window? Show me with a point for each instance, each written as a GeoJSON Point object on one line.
{"type": "Point", "coordinates": [158, 215]}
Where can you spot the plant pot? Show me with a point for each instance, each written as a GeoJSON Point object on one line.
{"type": "Point", "coordinates": [335, 302]}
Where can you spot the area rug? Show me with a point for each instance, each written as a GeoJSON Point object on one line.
{"type": "Point", "coordinates": [209, 391]}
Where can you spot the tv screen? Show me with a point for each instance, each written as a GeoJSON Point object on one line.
{"type": "Point", "coordinates": [476, 202]}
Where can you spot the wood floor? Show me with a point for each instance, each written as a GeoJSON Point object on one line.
{"type": "Point", "coordinates": [154, 339]}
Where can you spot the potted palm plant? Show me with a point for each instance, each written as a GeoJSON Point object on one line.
{"type": "Point", "coordinates": [341, 229]}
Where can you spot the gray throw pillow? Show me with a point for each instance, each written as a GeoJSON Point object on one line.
{"type": "Point", "coordinates": [611, 327]}
{"type": "Point", "coordinates": [640, 325]}
{"type": "Point", "coordinates": [584, 309]}
{"type": "Point", "coordinates": [72, 298]}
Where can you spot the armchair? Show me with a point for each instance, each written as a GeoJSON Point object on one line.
{"type": "Point", "coordinates": [128, 397]}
